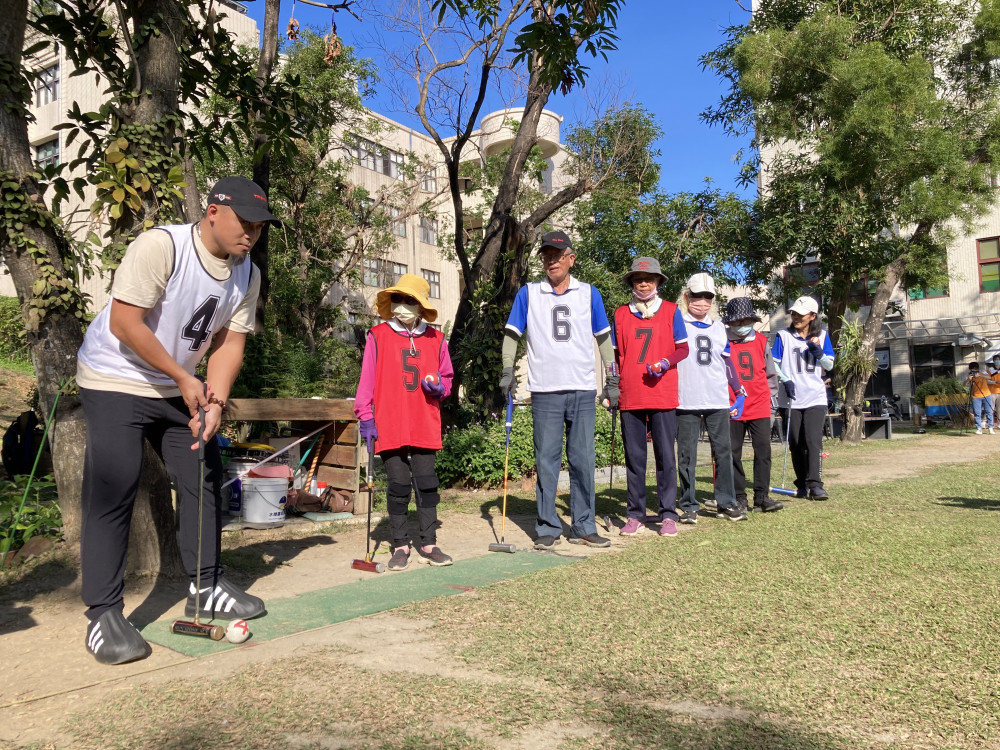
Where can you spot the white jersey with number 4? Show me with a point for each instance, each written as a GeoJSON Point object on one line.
{"type": "Point", "coordinates": [701, 376]}
{"type": "Point", "coordinates": [194, 305]}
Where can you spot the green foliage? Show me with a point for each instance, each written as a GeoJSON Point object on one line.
{"type": "Point", "coordinates": [474, 455]}
{"type": "Point", "coordinates": [13, 341]}
{"type": "Point", "coordinates": [945, 385]}
{"type": "Point", "coordinates": [852, 360]}
{"type": "Point", "coordinates": [40, 515]}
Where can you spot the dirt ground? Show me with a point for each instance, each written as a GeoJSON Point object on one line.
{"type": "Point", "coordinates": [48, 675]}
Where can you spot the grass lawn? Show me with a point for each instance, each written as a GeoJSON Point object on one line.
{"type": "Point", "coordinates": [870, 620]}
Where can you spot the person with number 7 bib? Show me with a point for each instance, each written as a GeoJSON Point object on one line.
{"type": "Point", "coordinates": [650, 340]}
{"type": "Point", "coordinates": [705, 377]}
{"type": "Point", "coordinates": [181, 292]}
{"type": "Point", "coordinates": [405, 372]}
{"type": "Point", "coordinates": [562, 316]}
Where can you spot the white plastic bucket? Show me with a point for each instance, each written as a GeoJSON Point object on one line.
{"type": "Point", "coordinates": [264, 500]}
{"type": "Point", "coordinates": [234, 468]}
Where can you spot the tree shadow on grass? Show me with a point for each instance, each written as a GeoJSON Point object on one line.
{"type": "Point", "coordinates": [521, 512]}
{"type": "Point", "coordinates": [42, 580]}
{"type": "Point", "coordinates": [243, 566]}
{"type": "Point", "coordinates": [972, 503]}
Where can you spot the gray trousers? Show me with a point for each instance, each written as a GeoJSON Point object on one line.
{"type": "Point", "coordinates": [688, 431]}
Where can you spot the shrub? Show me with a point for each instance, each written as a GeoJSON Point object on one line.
{"type": "Point", "coordinates": [40, 515]}
{"type": "Point", "coordinates": [474, 455]}
{"type": "Point", "coordinates": [13, 342]}
{"type": "Point", "coordinates": [941, 386]}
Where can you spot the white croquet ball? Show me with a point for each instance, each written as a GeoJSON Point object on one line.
{"type": "Point", "coordinates": [237, 631]}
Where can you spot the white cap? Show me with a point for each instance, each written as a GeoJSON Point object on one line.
{"type": "Point", "coordinates": [701, 282]}
{"type": "Point", "coordinates": [805, 305]}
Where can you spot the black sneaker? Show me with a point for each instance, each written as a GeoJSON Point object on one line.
{"type": "Point", "coordinates": [689, 516]}
{"type": "Point", "coordinates": [400, 559]}
{"type": "Point", "coordinates": [591, 540]}
{"type": "Point", "coordinates": [226, 601]}
{"type": "Point", "coordinates": [435, 557]}
{"type": "Point", "coordinates": [114, 640]}
{"type": "Point", "coordinates": [734, 514]}
{"type": "Point", "coordinates": [767, 505]}
{"type": "Point", "coordinates": [801, 493]}
{"type": "Point", "coordinates": [546, 542]}
{"type": "Point", "coordinates": [711, 505]}
{"type": "Point", "coordinates": [818, 493]}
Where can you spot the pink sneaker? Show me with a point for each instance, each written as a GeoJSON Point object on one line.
{"type": "Point", "coordinates": [668, 528]}
{"type": "Point", "coordinates": [632, 527]}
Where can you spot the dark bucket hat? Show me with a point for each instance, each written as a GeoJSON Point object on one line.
{"type": "Point", "coordinates": [644, 265]}
{"type": "Point", "coordinates": [739, 308]}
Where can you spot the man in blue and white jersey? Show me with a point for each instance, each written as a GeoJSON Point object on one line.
{"type": "Point", "coordinates": [562, 316]}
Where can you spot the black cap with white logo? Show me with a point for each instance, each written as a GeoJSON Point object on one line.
{"type": "Point", "coordinates": [245, 197]}
{"type": "Point", "coordinates": [555, 239]}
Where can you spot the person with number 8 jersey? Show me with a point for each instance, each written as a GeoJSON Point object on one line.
{"type": "Point", "coordinates": [561, 316]}
{"type": "Point", "coordinates": [751, 414]}
{"type": "Point", "coordinates": [405, 372]}
{"type": "Point", "coordinates": [704, 378]}
{"type": "Point", "coordinates": [650, 339]}
{"type": "Point", "coordinates": [802, 355]}
{"type": "Point", "coordinates": [181, 293]}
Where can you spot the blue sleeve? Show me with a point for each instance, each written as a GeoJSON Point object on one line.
{"type": "Point", "coordinates": [518, 319]}
{"type": "Point", "coordinates": [614, 336]}
{"type": "Point", "coordinates": [680, 330]}
{"type": "Point", "coordinates": [598, 318]}
{"type": "Point", "coordinates": [726, 352]}
{"type": "Point", "coordinates": [778, 349]}
{"type": "Point", "coordinates": [827, 345]}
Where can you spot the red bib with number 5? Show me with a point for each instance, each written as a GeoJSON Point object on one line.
{"type": "Point", "coordinates": [404, 414]}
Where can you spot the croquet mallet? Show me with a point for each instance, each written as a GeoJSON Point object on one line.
{"type": "Point", "coordinates": [197, 627]}
{"type": "Point", "coordinates": [367, 564]}
{"type": "Point", "coordinates": [784, 464]}
{"type": "Point", "coordinates": [502, 546]}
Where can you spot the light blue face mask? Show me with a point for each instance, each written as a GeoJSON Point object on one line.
{"type": "Point", "coordinates": [743, 331]}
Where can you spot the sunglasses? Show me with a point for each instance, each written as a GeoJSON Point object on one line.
{"type": "Point", "coordinates": [402, 299]}
{"type": "Point", "coordinates": [701, 295]}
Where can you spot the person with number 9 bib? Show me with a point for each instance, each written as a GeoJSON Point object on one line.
{"type": "Point", "coordinates": [751, 413]}
{"type": "Point", "coordinates": [181, 292]}
{"type": "Point", "coordinates": [561, 316]}
{"type": "Point", "coordinates": [705, 377]}
{"type": "Point", "coordinates": [802, 354]}
{"type": "Point", "coordinates": [405, 372]}
{"type": "Point", "coordinates": [650, 340]}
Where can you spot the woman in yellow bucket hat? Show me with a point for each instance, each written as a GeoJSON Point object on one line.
{"type": "Point", "coordinates": [405, 372]}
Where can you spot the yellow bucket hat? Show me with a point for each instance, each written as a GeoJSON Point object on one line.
{"type": "Point", "coordinates": [412, 286]}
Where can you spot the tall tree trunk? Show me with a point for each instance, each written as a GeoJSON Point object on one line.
{"type": "Point", "coordinates": [53, 341]}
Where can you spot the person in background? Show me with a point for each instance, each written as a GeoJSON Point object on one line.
{"type": "Point", "coordinates": [749, 354]}
{"type": "Point", "coordinates": [995, 386]}
{"type": "Point", "coordinates": [405, 372]}
{"type": "Point", "coordinates": [982, 399]}
{"type": "Point", "coordinates": [703, 393]}
{"type": "Point", "coordinates": [562, 316]}
{"type": "Point", "coordinates": [802, 353]}
{"type": "Point", "coordinates": [650, 339]}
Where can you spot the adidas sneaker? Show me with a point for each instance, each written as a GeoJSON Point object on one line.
{"type": "Point", "coordinates": [225, 601]}
{"type": "Point", "coordinates": [114, 640]}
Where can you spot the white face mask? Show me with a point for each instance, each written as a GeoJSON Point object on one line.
{"type": "Point", "coordinates": [743, 331]}
{"type": "Point", "coordinates": [406, 314]}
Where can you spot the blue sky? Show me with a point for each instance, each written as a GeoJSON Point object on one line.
{"type": "Point", "coordinates": [660, 42]}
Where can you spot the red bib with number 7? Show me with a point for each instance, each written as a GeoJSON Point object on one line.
{"type": "Point", "coordinates": [404, 414]}
{"type": "Point", "coordinates": [641, 342]}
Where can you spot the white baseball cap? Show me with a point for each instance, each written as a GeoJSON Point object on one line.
{"type": "Point", "coordinates": [805, 305]}
{"type": "Point", "coordinates": [700, 283]}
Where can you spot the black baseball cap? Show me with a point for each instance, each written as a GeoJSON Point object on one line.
{"type": "Point", "coordinates": [245, 197]}
{"type": "Point", "coordinates": [556, 239]}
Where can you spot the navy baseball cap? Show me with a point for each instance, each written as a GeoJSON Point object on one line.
{"type": "Point", "coordinates": [558, 240]}
{"type": "Point", "coordinates": [245, 197]}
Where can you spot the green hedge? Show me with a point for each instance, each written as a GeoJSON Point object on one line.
{"type": "Point", "coordinates": [473, 456]}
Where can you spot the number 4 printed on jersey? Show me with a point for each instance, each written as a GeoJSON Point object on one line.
{"type": "Point", "coordinates": [199, 327]}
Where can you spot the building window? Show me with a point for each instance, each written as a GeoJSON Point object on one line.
{"type": "Point", "coordinates": [989, 264]}
{"type": "Point", "coordinates": [47, 85]}
{"type": "Point", "coordinates": [862, 291]}
{"type": "Point", "coordinates": [392, 164]}
{"type": "Point", "coordinates": [932, 361]}
{"type": "Point", "coordinates": [382, 273]}
{"type": "Point", "coordinates": [47, 154]}
{"type": "Point", "coordinates": [397, 225]}
{"type": "Point", "coordinates": [428, 230]}
{"type": "Point", "coordinates": [927, 292]}
{"type": "Point", "coordinates": [434, 279]}
{"type": "Point", "coordinates": [429, 182]}
{"type": "Point", "coordinates": [376, 158]}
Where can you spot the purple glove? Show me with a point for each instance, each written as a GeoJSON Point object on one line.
{"type": "Point", "coordinates": [662, 364]}
{"type": "Point", "coordinates": [737, 407]}
{"type": "Point", "coordinates": [369, 433]}
{"type": "Point", "coordinates": [435, 390]}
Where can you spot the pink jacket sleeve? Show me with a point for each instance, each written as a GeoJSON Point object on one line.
{"type": "Point", "coordinates": [444, 367]}
{"type": "Point", "coordinates": [365, 396]}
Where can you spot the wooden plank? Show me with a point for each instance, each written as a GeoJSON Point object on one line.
{"type": "Point", "coordinates": [342, 479]}
{"type": "Point", "coordinates": [291, 409]}
{"type": "Point", "coordinates": [339, 455]}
